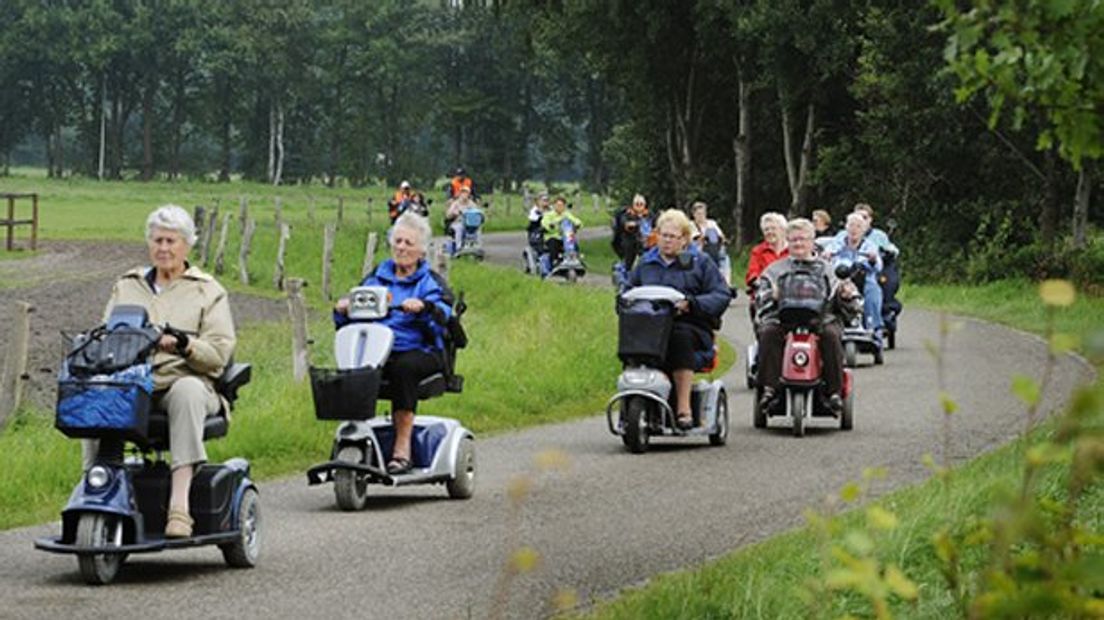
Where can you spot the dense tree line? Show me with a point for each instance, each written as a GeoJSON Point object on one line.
{"type": "Point", "coordinates": [976, 131]}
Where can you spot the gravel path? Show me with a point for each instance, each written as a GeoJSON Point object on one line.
{"type": "Point", "coordinates": [606, 521]}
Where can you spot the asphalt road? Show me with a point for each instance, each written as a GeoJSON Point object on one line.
{"type": "Point", "coordinates": [606, 521]}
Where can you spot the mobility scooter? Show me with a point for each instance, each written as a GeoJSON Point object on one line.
{"type": "Point", "coordinates": [858, 337]}
{"type": "Point", "coordinates": [119, 506]}
{"type": "Point", "coordinates": [471, 239]}
{"type": "Point", "coordinates": [442, 450]}
{"type": "Point", "coordinates": [802, 395]}
{"type": "Point", "coordinates": [645, 393]}
{"type": "Point", "coordinates": [570, 266]}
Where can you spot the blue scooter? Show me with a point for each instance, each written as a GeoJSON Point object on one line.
{"type": "Point", "coordinates": [119, 506]}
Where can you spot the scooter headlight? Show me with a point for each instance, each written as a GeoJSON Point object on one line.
{"type": "Point", "coordinates": [801, 359]}
{"type": "Point", "coordinates": [98, 477]}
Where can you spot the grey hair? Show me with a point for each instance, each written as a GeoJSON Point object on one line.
{"type": "Point", "coordinates": [419, 225]}
{"type": "Point", "coordinates": [773, 216]}
{"type": "Point", "coordinates": [801, 224]}
{"type": "Point", "coordinates": [859, 217]}
{"type": "Point", "coordinates": [174, 218]}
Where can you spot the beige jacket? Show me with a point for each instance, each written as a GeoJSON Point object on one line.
{"type": "Point", "coordinates": [194, 303]}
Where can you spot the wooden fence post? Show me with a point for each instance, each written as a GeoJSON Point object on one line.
{"type": "Point", "coordinates": [220, 253]}
{"type": "Point", "coordinates": [199, 218]}
{"type": "Point", "coordinates": [297, 310]}
{"type": "Point", "coordinates": [597, 206]}
{"type": "Point", "coordinates": [369, 209]}
{"type": "Point", "coordinates": [278, 272]}
{"type": "Point", "coordinates": [369, 255]}
{"type": "Point", "coordinates": [340, 209]}
{"type": "Point", "coordinates": [441, 260]}
{"type": "Point", "coordinates": [279, 211]}
{"type": "Point", "coordinates": [243, 255]}
{"type": "Point", "coordinates": [15, 367]}
{"type": "Point", "coordinates": [310, 209]}
{"type": "Point", "coordinates": [243, 212]}
{"type": "Point", "coordinates": [208, 233]}
{"type": "Point", "coordinates": [327, 259]}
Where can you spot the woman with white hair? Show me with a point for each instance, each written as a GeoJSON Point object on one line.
{"type": "Point", "coordinates": [418, 325]}
{"type": "Point", "coordinates": [772, 248]}
{"type": "Point", "coordinates": [186, 365]}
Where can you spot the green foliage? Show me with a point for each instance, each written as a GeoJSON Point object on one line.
{"type": "Point", "coordinates": [1028, 54]}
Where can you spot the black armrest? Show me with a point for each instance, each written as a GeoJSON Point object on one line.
{"type": "Point", "coordinates": [233, 377]}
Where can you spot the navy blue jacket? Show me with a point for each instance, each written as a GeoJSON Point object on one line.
{"type": "Point", "coordinates": [424, 330]}
{"type": "Point", "coordinates": [693, 274]}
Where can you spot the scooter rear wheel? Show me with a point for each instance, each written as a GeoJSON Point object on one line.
{"type": "Point", "coordinates": [572, 276]}
{"type": "Point", "coordinates": [850, 354]}
{"type": "Point", "coordinates": [350, 487]}
{"type": "Point", "coordinates": [847, 416]}
{"type": "Point", "coordinates": [463, 485]}
{"type": "Point", "coordinates": [246, 548]}
{"type": "Point", "coordinates": [96, 529]}
{"type": "Point", "coordinates": [720, 437]}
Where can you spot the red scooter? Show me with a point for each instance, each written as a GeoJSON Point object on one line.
{"type": "Point", "coordinates": [802, 394]}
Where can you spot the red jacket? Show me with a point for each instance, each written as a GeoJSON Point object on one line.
{"type": "Point", "coordinates": [762, 255]}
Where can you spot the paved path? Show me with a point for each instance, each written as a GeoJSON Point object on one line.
{"type": "Point", "coordinates": [609, 520]}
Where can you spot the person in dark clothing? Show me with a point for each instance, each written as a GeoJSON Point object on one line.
{"type": "Point", "coordinates": [677, 264]}
{"type": "Point", "coordinates": [633, 231]}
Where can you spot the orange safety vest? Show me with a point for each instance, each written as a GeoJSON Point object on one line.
{"type": "Point", "coordinates": [459, 182]}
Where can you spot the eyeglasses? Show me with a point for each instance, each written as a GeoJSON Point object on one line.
{"type": "Point", "coordinates": [670, 236]}
{"type": "Point", "coordinates": [801, 238]}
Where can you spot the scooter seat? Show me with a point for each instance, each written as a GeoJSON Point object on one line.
{"type": "Point", "coordinates": [214, 426]}
{"type": "Point", "coordinates": [430, 387]}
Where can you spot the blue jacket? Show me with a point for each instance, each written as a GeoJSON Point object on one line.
{"type": "Point", "coordinates": [841, 250]}
{"type": "Point", "coordinates": [424, 330]}
{"type": "Point", "coordinates": [696, 276]}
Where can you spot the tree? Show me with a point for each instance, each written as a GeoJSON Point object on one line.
{"type": "Point", "coordinates": [1045, 54]}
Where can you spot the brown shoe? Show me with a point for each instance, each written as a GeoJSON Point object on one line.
{"type": "Point", "coordinates": [179, 524]}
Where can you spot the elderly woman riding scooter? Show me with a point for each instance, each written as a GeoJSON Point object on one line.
{"type": "Point", "coordinates": [419, 326]}
{"type": "Point", "coordinates": [772, 334]}
{"type": "Point", "coordinates": [190, 360]}
{"type": "Point", "coordinates": [674, 262]}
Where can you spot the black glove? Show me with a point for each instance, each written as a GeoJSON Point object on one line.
{"type": "Point", "coordinates": [181, 339]}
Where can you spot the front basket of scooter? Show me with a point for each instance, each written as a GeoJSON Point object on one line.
{"type": "Point", "coordinates": [341, 394]}
{"type": "Point", "coordinates": [644, 327]}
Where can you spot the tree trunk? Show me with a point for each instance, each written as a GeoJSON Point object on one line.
{"type": "Point", "coordinates": [147, 130]}
{"type": "Point", "coordinates": [801, 198]}
{"type": "Point", "coordinates": [175, 131]}
{"type": "Point", "coordinates": [270, 168]}
{"type": "Point", "coordinates": [1081, 204]}
{"type": "Point", "coordinates": [741, 146]}
{"type": "Point", "coordinates": [278, 174]}
{"type": "Point", "coordinates": [103, 127]}
{"type": "Point", "coordinates": [1048, 217]}
{"type": "Point", "coordinates": [49, 135]}
{"type": "Point", "coordinates": [59, 159]}
{"type": "Point", "coordinates": [797, 172]}
{"type": "Point", "coordinates": [336, 136]}
{"type": "Point", "coordinates": [227, 108]}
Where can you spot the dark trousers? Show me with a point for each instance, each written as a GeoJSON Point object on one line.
{"type": "Point", "coordinates": [685, 341]}
{"type": "Point", "coordinates": [555, 250]}
{"type": "Point", "coordinates": [772, 342]}
{"type": "Point", "coordinates": [403, 371]}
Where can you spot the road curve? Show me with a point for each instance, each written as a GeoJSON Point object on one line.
{"type": "Point", "coordinates": [610, 519]}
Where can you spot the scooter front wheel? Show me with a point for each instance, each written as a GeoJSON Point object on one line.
{"type": "Point", "coordinates": [350, 487]}
{"type": "Point", "coordinates": [97, 529]}
{"type": "Point", "coordinates": [634, 425]}
{"type": "Point", "coordinates": [797, 412]}
{"type": "Point", "coordinates": [246, 548]}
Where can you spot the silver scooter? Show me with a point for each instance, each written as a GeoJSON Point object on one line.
{"type": "Point", "coordinates": [646, 315]}
{"type": "Point", "coordinates": [442, 450]}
